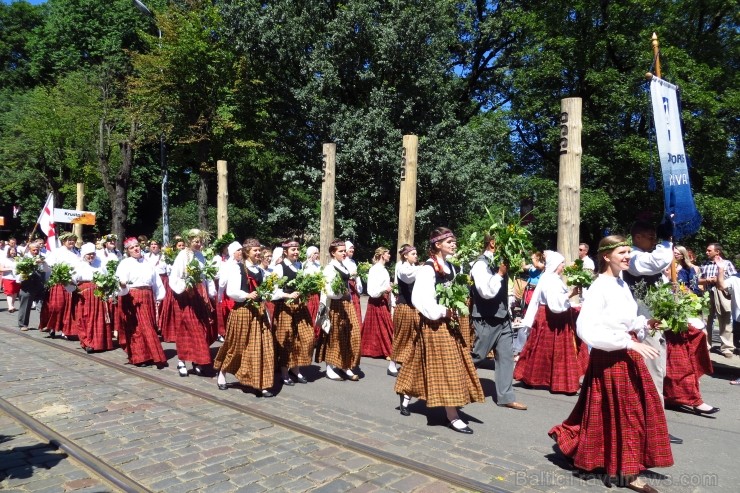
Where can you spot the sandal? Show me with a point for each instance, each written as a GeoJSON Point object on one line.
{"type": "Point", "coordinates": [735, 382]}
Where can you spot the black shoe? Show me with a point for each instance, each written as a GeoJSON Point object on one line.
{"type": "Point", "coordinates": [287, 381]}
{"type": "Point", "coordinates": [299, 379]}
{"type": "Point", "coordinates": [708, 411]}
{"type": "Point", "coordinates": [220, 339]}
{"type": "Point", "coordinates": [221, 386]}
{"type": "Point", "coordinates": [88, 350]}
{"type": "Point", "coordinates": [198, 370]}
{"type": "Point", "coordinates": [265, 393]}
{"type": "Point", "coordinates": [182, 370]}
{"type": "Point", "coordinates": [675, 440]}
{"type": "Point", "coordinates": [52, 334]}
{"type": "Point", "coordinates": [391, 373]}
{"type": "Point", "coordinates": [404, 410]}
{"type": "Point", "coordinates": [465, 430]}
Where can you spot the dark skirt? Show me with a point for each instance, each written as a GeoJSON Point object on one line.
{"type": "Point", "coordinates": [687, 359]}
{"type": "Point", "coordinates": [553, 356]}
{"type": "Point", "coordinates": [355, 299]}
{"type": "Point", "coordinates": [195, 328]}
{"type": "Point", "coordinates": [137, 331]}
{"type": "Point", "coordinates": [618, 423]}
{"type": "Point", "coordinates": [406, 322]}
{"type": "Point", "coordinates": [439, 369]}
{"type": "Point", "coordinates": [167, 316]}
{"type": "Point", "coordinates": [249, 349]}
{"type": "Point", "coordinates": [377, 329]}
{"type": "Point", "coordinates": [92, 318]}
{"type": "Point", "coordinates": [341, 346]}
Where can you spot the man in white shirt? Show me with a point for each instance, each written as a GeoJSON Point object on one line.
{"type": "Point", "coordinates": [583, 255]}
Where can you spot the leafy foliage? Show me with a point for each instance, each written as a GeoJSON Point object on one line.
{"type": "Point", "coordinates": [674, 308]}
{"type": "Point", "coordinates": [307, 284]}
{"type": "Point", "coordinates": [576, 275]}
{"type": "Point", "coordinates": [454, 296]}
{"type": "Point", "coordinates": [106, 283]}
{"type": "Point", "coordinates": [61, 274]}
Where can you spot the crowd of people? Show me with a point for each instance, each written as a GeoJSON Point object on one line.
{"type": "Point", "coordinates": [605, 347]}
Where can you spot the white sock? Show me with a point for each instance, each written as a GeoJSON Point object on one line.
{"type": "Point", "coordinates": [704, 407]}
{"type": "Point", "coordinates": [349, 373]}
{"type": "Point", "coordinates": [221, 378]}
{"type": "Point", "coordinates": [330, 372]}
{"type": "Point", "coordinates": [297, 371]}
{"type": "Point", "coordinates": [458, 423]}
{"type": "Point", "coordinates": [406, 400]}
{"type": "Point", "coordinates": [392, 366]}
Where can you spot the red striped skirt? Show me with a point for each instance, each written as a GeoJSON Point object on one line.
{"type": "Point", "coordinates": [377, 329]}
{"type": "Point", "coordinates": [618, 423]}
{"type": "Point", "coordinates": [553, 356]}
{"type": "Point", "coordinates": [167, 317]}
{"type": "Point", "coordinates": [313, 309]}
{"type": "Point", "coordinates": [406, 322]}
{"type": "Point", "coordinates": [137, 331]}
{"type": "Point", "coordinates": [687, 359]}
{"type": "Point", "coordinates": [195, 331]}
{"type": "Point", "coordinates": [56, 312]}
{"type": "Point", "coordinates": [92, 319]}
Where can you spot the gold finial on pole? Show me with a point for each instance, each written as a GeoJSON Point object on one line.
{"type": "Point", "coordinates": [656, 54]}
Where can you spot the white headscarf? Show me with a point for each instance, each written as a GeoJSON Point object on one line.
{"type": "Point", "coordinates": [276, 253]}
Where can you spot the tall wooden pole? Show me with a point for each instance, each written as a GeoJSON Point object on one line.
{"type": "Point", "coordinates": [77, 228]}
{"type": "Point", "coordinates": [407, 202]}
{"type": "Point", "coordinates": [569, 183]}
{"type": "Point", "coordinates": [327, 201]}
{"type": "Point", "coordinates": [222, 199]}
{"type": "Point", "coordinates": [656, 54]}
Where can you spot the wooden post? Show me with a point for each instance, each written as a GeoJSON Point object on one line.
{"type": "Point", "coordinates": [77, 228]}
{"type": "Point", "coordinates": [407, 202]}
{"type": "Point", "coordinates": [569, 183]}
{"type": "Point", "coordinates": [222, 199]}
{"type": "Point", "coordinates": [656, 53]}
{"type": "Point", "coordinates": [327, 202]}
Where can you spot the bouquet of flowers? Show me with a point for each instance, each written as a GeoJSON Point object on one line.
{"type": "Point", "coordinates": [106, 284]}
{"type": "Point", "coordinates": [338, 286]}
{"type": "Point", "coordinates": [60, 274]}
{"type": "Point", "coordinates": [363, 268]}
{"type": "Point", "coordinates": [675, 308]}
{"type": "Point", "coordinates": [513, 243]}
{"type": "Point", "coordinates": [467, 250]}
{"type": "Point", "coordinates": [196, 273]}
{"type": "Point", "coordinates": [25, 267]}
{"type": "Point", "coordinates": [576, 275]}
{"type": "Point", "coordinates": [169, 254]}
{"type": "Point", "coordinates": [307, 284]}
{"type": "Point", "coordinates": [265, 290]}
{"type": "Point", "coordinates": [455, 296]}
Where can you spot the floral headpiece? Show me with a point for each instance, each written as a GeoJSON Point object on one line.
{"type": "Point", "coordinates": [290, 243]}
{"type": "Point", "coordinates": [197, 233]}
{"type": "Point", "coordinates": [223, 242]}
{"type": "Point", "coordinates": [67, 236]}
{"type": "Point", "coordinates": [110, 237]}
{"type": "Point", "coordinates": [131, 241]}
{"type": "Point", "coordinates": [627, 242]}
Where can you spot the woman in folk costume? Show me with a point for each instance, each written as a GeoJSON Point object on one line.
{"type": "Point", "coordinates": [109, 252]}
{"type": "Point", "coordinates": [310, 266]}
{"type": "Point", "coordinates": [222, 255]}
{"type": "Point", "coordinates": [293, 323]}
{"type": "Point", "coordinates": [195, 326]}
{"type": "Point", "coordinates": [405, 316]}
{"type": "Point", "coordinates": [57, 310]}
{"type": "Point", "coordinates": [226, 304]}
{"type": "Point", "coordinates": [340, 348]}
{"type": "Point", "coordinates": [167, 319]}
{"type": "Point", "coordinates": [355, 283]}
{"type": "Point", "coordinates": [155, 257]}
{"type": "Point", "coordinates": [141, 286]}
{"type": "Point", "coordinates": [439, 370]}
{"type": "Point", "coordinates": [248, 351]}
{"type": "Point", "coordinates": [92, 317]}
{"type": "Point", "coordinates": [618, 423]}
{"type": "Point", "coordinates": [377, 327]}
{"type": "Point", "coordinates": [11, 287]}
{"type": "Point", "coordinates": [553, 356]}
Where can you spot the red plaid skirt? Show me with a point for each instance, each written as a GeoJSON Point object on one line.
{"type": "Point", "coordinates": [377, 329]}
{"type": "Point", "coordinates": [56, 312]}
{"type": "Point", "coordinates": [687, 360]}
{"type": "Point", "coordinates": [406, 321]}
{"type": "Point", "coordinates": [137, 332]}
{"type": "Point", "coordinates": [313, 309]}
{"type": "Point", "coordinates": [195, 330]}
{"type": "Point", "coordinates": [166, 316]}
{"type": "Point", "coordinates": [618, 423]}
{"type": "Point", "coordinates": [92, 319]}
{"type": "Point", "coordinates": [553, 356]}
{"type": "Point", "coordinates": [294, 334]}
{"type": "Point", "coordinates": [11, 287]}
{"type": "Point", "coordinates": [355, 299]}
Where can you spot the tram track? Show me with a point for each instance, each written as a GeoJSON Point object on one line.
{"type": "Point", "coordinates": [375, 453]}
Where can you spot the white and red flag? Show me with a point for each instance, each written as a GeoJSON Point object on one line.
{"type": "Point", "coordinates": [46, 223]}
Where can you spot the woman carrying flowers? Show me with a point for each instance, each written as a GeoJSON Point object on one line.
{"type": "Point", "coordinates": [439, 369]}
{"type": "Point", "coordinates": [57, 311]}
{"type": "Point", "coordinates": [248, 351]}
{"type": "Point", "coordinates": [340, 348]}
{"type": "Point", "coordinates": [93, 320]}
{"type": "Point", "coordinates": [377, 327]}
{"type": "Point", "coordinates": [405, 316]}
{"type": "Point", "coordinates": [11, 288]}
{"type": "Point", "coordinates": [553, 356]}
{"type": "Point", "coordinates": [618, 423]}
{"type": "Point", "coordinates": [193, 286]}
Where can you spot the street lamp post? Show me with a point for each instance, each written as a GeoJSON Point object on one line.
{"type": "Point", "coordinates": [162, 147]}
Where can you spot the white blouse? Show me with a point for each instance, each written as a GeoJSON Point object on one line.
{"type": "Point", "coordinates": [234, 282]}
{"type": "Point", "coordinates": [550, 291]}
{"type": "Point", "coordinates": [157, 261]}
{"type": "Point", "coordinates": [62, 255]}
{"type": "Point", "coordinates": [138, 273]}
{"type": "Point", "coordinates": [608, 314]}
{"type": "Point", "coordinates": [406, 272]}
{"type": "Point", "coordinates": [279, 269]}
{"type": "Point", "coordinates": [424, 295]}
{"type": "Point", "coordinates": [179, 269]}
{"type": "Point", "coordinates": [330, 273]}
{"type": "Point", "coordinates": [84, 271]}
{"type": "Point", "coordinates": [378, 280]}
{"type": "Point", "coordinates": [351, 267]}
{"type": "Point", "coordinates": [311, 267]}
{"type": "Point", "coordinates": [487, 283]}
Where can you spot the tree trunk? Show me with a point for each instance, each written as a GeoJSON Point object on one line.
{"type": "Point", "coordinates": [119, 199]}
{"type": "Point", "coordinates": [203, 198]}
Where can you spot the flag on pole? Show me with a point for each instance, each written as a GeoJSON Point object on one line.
{"type": "Point", "coordinates": [679, 200]}
{"type": "Point", "coordinates": [46, 223]}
